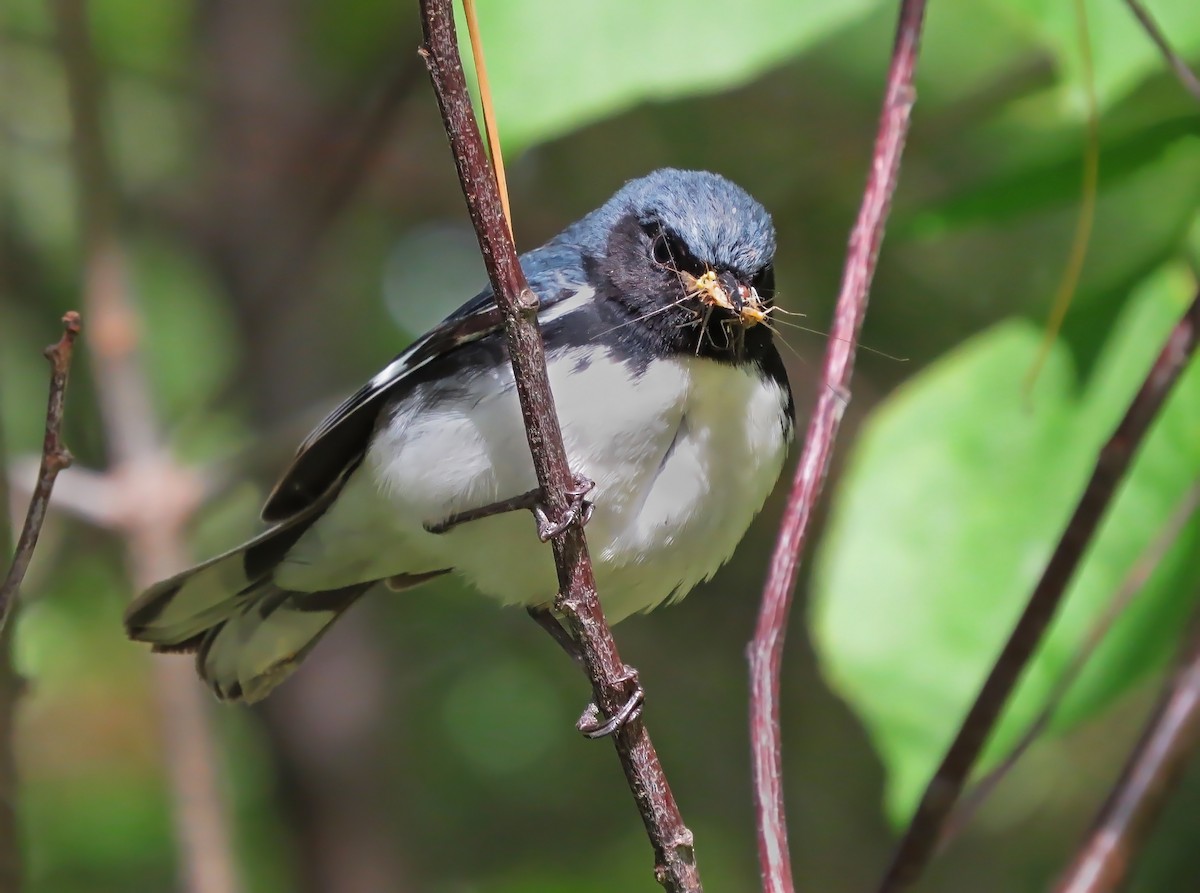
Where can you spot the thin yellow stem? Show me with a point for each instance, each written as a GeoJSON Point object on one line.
{"type": "Point", "coordinates": [489, 114]}
{"type": "Point", "coordinates": [1087, 206]}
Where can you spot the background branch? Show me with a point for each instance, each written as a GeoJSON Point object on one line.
{"type": "Point", "coordinates": [766, 649]}
{"type": "Point", "coordinates": [55, 457]}
{"type": "Point", "coordinates": [940, 796]}
{"type": "Point", "coordinates": [675, 866]}
{"type": "Point", "coordinates": [1148, 779]}
{"type": "Point", "coordinates": [159, 494]}
{"type": "Point", "coordinates": [1125, 594]}
{"type": "Point", "coordinates": [1186, 76]}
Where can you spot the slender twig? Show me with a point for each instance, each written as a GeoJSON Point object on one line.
{"type": "Point", "coordinates": [611, 684]}
{"type": "Point", "coordinates": [1126, 593]}
{"type": "Point", "coordinates": [55, 457]}
{"type": "Point", "coordinates": [766, 650]}
{"type": "Point", "coordinates": [944, 789]}
{"type": "Point", "coordinates": [160, 494]}
{"type": "Point", "coordinates": [1186, 76]}
{"type": "Point", "coordinates": [1086, 217]}
{"type": "Point", "coordinates": [1167, 742]}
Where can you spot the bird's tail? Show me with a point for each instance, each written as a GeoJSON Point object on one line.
{"type": "Point", "coordinates": [247, 633]}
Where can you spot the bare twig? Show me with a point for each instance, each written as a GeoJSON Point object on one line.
{"type": "Point", "coordinates": [55, 457]}
{"type": "Point", "coordinates": [1168, 741]}
{"type": "Point", "coordinates": [1122, 598]}
{"type": "Point", "coordinates": [766, 650]}
{"type": "Point", "coordinates": [159, 495]}
{"type": "Point", "coordinates": [939, 798]}
{"type": "Point", "coordinates": [611, 684]}
{"type": "Point", "coordinates": [1186, 76]}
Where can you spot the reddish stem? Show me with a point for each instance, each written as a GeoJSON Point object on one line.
{"type": "Point", "coordinates": [766, 650]}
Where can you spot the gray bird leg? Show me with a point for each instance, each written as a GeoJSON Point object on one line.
{"type": "Point", "coordinates": [578, 508]}
{"type": "Point", "coordinates": [592, 723]}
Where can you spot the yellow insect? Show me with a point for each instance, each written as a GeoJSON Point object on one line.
{"type": "Point", "coordinates": [740, 299]}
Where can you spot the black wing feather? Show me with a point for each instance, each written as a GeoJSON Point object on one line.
{"type": "Point", "coordinates": [342, 438]}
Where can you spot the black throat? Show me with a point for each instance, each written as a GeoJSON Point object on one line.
{"type": "Point", "coordinates": [652, 313]}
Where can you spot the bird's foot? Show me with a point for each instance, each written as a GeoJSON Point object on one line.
{"type": "Point", "coordinates": [579, 508]}
{"type": "Point", "coordinates": [594, 724]}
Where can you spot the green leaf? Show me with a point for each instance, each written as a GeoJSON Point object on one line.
{"type": "Point", "coordinates": [1122, 54]}
{"type": "Point", "coordinates": [1055, 183]}
{"type": "Point", "coordinates": [953, 500]}
{"type": "Point", "coordinates": [556, 66]}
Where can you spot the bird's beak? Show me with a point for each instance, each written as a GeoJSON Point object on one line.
{"type": "Point", "coordinates": [725, 291]}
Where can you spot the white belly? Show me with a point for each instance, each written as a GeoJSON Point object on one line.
{"type": "Point", "coordinates": [683, 456]}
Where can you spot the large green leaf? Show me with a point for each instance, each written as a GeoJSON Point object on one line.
{"type": "Point", "coordinates": [1122, 54]}
{"type": "Point", "coordinates": [955, 495]}
{"type": "Point", "coordinates": [555, 66]}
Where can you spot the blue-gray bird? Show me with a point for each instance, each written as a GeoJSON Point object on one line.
{"type": "Point", "coordinates": [673, 401]}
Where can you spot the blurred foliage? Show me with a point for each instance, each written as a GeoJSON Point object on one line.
{"type": "Point", "coordinates": [943, 557]}
{"type": "Point", "coordinates": [435, 728]}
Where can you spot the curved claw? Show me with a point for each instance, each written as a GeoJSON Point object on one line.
{"type": "Point", "coordinates": [593, 726]}
{"type": "Point", "coordinates": [579, 508]}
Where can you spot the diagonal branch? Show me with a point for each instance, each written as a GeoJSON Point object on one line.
{"type": "Point", "coordinates": [55, 457]}
{"type": "Point", "coordinates": [766, 650]}
{"type": "Point", "coordinates": [1186, 76]}
{"type": "Point", "coordinates": [1127, 592]}
{"type": "Point", "coordinates": [675, 865]}
{"type": "Point", "coordinates": [1168, 741]}
{"type": "Point", "coordinates": [944, 789]}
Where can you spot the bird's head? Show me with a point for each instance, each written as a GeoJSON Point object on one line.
{"type": "Point", "coordinates": [691, 254]}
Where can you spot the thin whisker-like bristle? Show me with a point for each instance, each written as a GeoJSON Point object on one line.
{"type": "Point", "coordinates": [645, 316]}
{"type": "Point", "coordinates": [868, 349]}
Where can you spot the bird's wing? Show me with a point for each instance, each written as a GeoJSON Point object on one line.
{"type": "Point", "coordinates": [340, 441]}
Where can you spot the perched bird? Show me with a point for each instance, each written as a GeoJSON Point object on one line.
{"type": "Point", "coordinates": [673, 401]}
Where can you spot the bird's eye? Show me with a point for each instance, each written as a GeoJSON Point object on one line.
{"type": "Point", "coordinates": [661, 249]}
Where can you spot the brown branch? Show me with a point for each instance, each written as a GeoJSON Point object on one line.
{"type": "Point", "coordinates": [766, 650]}
{"type": "Point", "coordinates": [158, 495]}
{"type": "Point", "coordinates": [1168, 741]}
{"type": "Point", "coordinates": [944, 789]}
{"type": "Point", "coordinates": [675, 866]}
{"type": "Point", "coordinates": [55, 457]}
{"type": "Point", "coordinates": [1129, 589]}
{"type": "Point", "coordinates": [1186, 76]}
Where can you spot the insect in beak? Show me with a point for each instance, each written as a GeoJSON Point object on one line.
{"type": "Point", "coordinates": [726, 292]}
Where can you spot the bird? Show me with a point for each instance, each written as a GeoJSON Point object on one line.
{"type": "Point", "coordinates": [675, 410]}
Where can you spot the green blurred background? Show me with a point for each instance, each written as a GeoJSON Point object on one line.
{"type": "Point", "coordinates": [292, 219]}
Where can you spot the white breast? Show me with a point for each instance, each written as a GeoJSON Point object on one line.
{"type": "Point", "coordinates": [683, 452]}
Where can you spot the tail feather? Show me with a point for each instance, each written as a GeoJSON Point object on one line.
{"type": "Point", "coordinates": [248, 634]}
{"type": "Point", "coordinates": [266, 636]}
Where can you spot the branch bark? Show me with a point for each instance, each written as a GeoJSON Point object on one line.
{"type": "Point", "coordinates": [940, 796]}
{"type": "Point", "coordinates": [55, 457]}
{"type": "Point", "coordinates": [159, 494]}
{"type": "Point", "coordinates": [1168, 741]}
{"type": "Point", "coordinates": [766, 650]}
{"type": "Point", "coordinates": [675, 863]}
